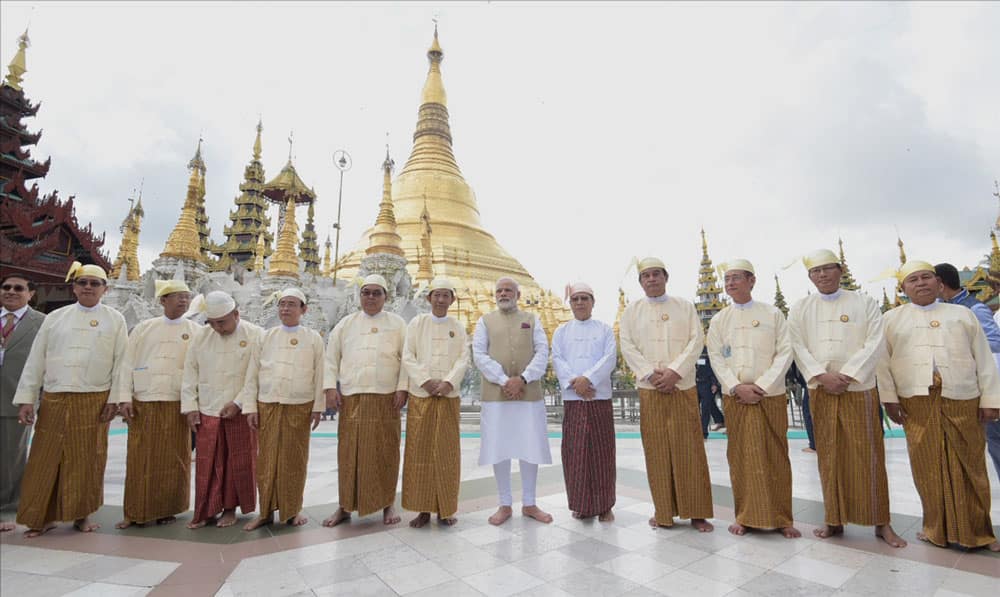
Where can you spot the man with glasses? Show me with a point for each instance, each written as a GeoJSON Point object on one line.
{"type": "Point", "coordinates": [435, 357]}
{"type": "Point", "coordinates": [226, 451]}
{"type": "Point", "coordinates": [661, 339]}
{"type": "Point", "coordinates": [584, 355]}
{"type": "Point", "coordinates": [158, 465]}
{"type": "Point", "coordinates": [751, 352]}
{"type": "Point", "coordinates": [511, 352]}
{"type": "Point", "coordinates": [365, 381]}
{"type": "Point", "coordinates": [838, 338]}
{"type": "Point", "coordinates": [75, 359]}
{"type": "Point", "coordinates": [19, 324]}
{"type": "Point", "coordinates": [281, 396]}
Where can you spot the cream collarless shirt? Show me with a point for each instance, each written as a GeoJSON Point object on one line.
{"type": "Point", "coordinates": [435, 348]}
{"type": "Point", "coordinates": [154, 360]}
{"type": "Point", "coordinates": [216, 366]}
{"type": "Point", "coordinates": [661, 332]}
{"type": "Point", "coordinates": [749, 343]}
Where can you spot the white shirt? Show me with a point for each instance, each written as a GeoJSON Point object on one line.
{"type": "Point", "coordinates": [584, 348]}
{"type": "Point", "coordinates": [493, 371]}
{"type": "Point", "coordinates": [216, 367]}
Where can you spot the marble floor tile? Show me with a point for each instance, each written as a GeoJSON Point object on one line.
{"type": "Point", "coordinates": [145, 574]}
{"type": "Point", "coordinates": [546, 590]}
{"type": "Point", "coordinates": [333, 571]}
{"type": "Point", "coordinates": [636, 567]}
{"type": "Point", "coordinates": [725, 570]}
{"type": "Point", "coordinates": [681, 583]}
{"type": "Point", "coordinates": [24, 584]}
{"type": "Point", "coordinates": [968, 583]}
{"type": "Point", "coordinates": [389, 558]}
{"type": "Point", "coordinates": [592, 551]}
{"type": "Point", "coordinates": [415, 577]}
{"type": "Point", "coordinates": [775, 583]}
{"type": "Point", "coordinates": [277, 584]}
{"type": "Point", "coordinates": [674, 554]}
{"type": "Point", "coordinates": [503, 581]}
{"type": "Point", "coordinates": [751, 553]}
{"type": "Point", "coordinates": [485, 535]}
{"type": "Point", "coordinates": [817, 571]}
{"type": "Point", "coordinates": [101, 589]}
{"type": "Point", "coordinates": [594, 581]}
{"type": "Point", "coordinates": [34, 560]}
{"type": "Point", "coordinates": [452, 588]}
{"type": "Point", "coordinates": [366, 586]}
{"type": "Point", "coordinates": [834, 554]}
{"type": "Point", "coordinates": [551, 565]}
{"type": "Point", "coordinates": [469, 562]}
{"type": "Point", "coordinates": [100, 568]}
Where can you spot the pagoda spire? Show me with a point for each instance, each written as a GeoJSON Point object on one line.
{"type": "Point", "coordinates": [425, 257]}
{"type": "Point", "coordinates": [249, 222]}
{"type": "Point", "coordinates": [258, 256]}
{"type": "Point", "coordinates": [384, 238]}
{"type": "Point", "coordinates": [779, 297]}
{"type": "Point", "coordinates": [198, 170]}
{"type": "Point", "coordinates": [902, 253]}
{"type": "Point", "coordinates": [128, 252]}
{"type": "Point", "coordinates": [901, 297]}
{"type": "Point", "coordinates": [432, 148]}
{"type": "Point", "coordinates": [284, 261]}
{"type": "Point", "coordinates": [847, 281]}
{"type": "Point", "coordinates": [994, 253]}
{"type": "Point", "coordinates": [18, 65]}
{"type": "Point", "coordinates": [886, 305]}
{"type": "Point", "coordinates": [327, 269]}
{"type": "Point", "coordinates": [709, 294]}
{"type": "Point", "coordinates": [183, 242]}
{"type": "Point", "coordinates": [308, 249]}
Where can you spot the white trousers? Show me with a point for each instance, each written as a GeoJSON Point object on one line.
{"type": "Point", "coordinates": [529, 480]}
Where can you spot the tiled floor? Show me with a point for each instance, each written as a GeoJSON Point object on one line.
{"type": "Point", "coordinates": [523, 557]}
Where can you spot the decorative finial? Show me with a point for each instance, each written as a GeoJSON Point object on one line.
{"type": "Point", "coordinates": [257, 146]}
{"type": "Point", "coordinates": [18, 65]}
{"type": "Point", "coordinates": [291, 135]}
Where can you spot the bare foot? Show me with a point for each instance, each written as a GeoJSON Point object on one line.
{"type": "Point", "coordinates": [297, 520]}
{"type": "Point", "coordinates": [32, 533]}
{"type": "Point", "coordinates": [606, 517]}
{"type": "Point", "coordinates": [579, 516]}
{"type": "Point", "coordinates": [790, 532]}
{"type": "Point", "coordinates": [737, 529]}
{"type": "Point", "coordinates": [166, 520]}
{"type": "Point", "coordinates": [809, 450]}
{"type": "Point", "coordinates": [7, 526]}
{"type": "Point", "coordinates": [702, 525]}
{"type": "Point", "coordinates": [888, 535]}
{"type": "Point", "coordinates": [448, 521]}
{"type": "Point", "coordinates": [124, 524]}
{"type": "Point", "coordinates": [85, 526]}
{"type": "Point", "coordinates": [536, 513]}
{"type": "Point", "coordinates": [656, 525]}
{"type": "Point", "coordinates": [501, 515]}
{"type": "Point", "coordinates": [994, 547]}
{"type": "Point", "coordinates": [420, 520]}
{"type": "Point", "coordinates": [829, 530]}
{"type": "Point", "coordinates": [258, 522]}
{"type": "Point", "coordinates": [228, 519]}
{"type": "Point", "coordinates": [337, 517]}
{"type": "Point", "coordinates": [199, 524]}
{"type": "Point", "coordinates": [389, 516]}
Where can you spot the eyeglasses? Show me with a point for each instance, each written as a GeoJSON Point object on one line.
{"type": "Point", "coordinates": [375, 293]}
{"type": "Point", "coordinates": [91, 283]}
{"type": "Point", "coordinates": [14, 287]}
{"type": "Point", "coordinates": [580, 299]}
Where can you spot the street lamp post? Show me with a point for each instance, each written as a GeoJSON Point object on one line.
{"type": "Point", "coordinates": [342, 161]}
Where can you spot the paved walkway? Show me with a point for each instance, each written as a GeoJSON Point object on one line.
{"type": "Point", "coordinates": [523, 557]}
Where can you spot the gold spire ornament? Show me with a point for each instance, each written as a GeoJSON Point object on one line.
{"type": "Point", "coordinates": [258, 257]}
{"type": "Point", "coordinates": [709, 294]}
{"type": "Point", "coordinates": [184, 241]}
{"type": "Point", "coordinates": [18, 65]}
{"type": "Point", "coordinates": [384, 238]}
{"type": "Point", "coordinates": [284, 261]}
{"type": "Point", "coordinates": [847, 281]}
{"type": "Point", "coordinates": [249, 222]}
{"type": "Point", "coordinates": [327, 269]}
{"type": "Point", "coordinates": [779, 297]}
{"type": "Point", "coordinates": [128, 252]}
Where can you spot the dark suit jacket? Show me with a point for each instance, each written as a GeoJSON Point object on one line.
{"type": "Point", "coordinates": [14, 356]}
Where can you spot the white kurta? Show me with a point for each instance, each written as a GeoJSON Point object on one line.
{"type": "Point", "coordinates": [661, 333]}
{"type": "Point", "coordinates": [364, 354]}
{"type": "Point", "coordinates": [216, 367]}
{"type": "Point", "coordinates": [837, 333]}
{"type": "Point", "coordinates": [435, 348]}
{"type": "Point", "coordinates": [940, 336]}
{"type": "Point", "coordinates": [588, 349]}
{"type": "Point", "coordinates": [77, 349]}
{"type": "Point", "coordinates": [750, 344]}
{"type": "Point", "coordinates": [512, 428]}
{"type": "Point", "coordinates": [286, 367]}
{"type": "Point", "coordinates": [154, 360]}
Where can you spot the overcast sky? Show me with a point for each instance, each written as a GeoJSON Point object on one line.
{"type": "Point", "coordinates": [591, 133]}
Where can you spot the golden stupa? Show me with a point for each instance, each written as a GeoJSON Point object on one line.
{"type": "Point", "coordinates": [462, 249]}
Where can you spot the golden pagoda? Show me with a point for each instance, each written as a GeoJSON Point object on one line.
{"type": "Point", "coordinates": [184, 241]}
{"type": "Point", "coordinates": [197, 165]}
{"type": "Point", "coordinates": [383, 237]}
{"type": "Point", "coordinates": [846, 279]}
{"type": "Point", "coordinates": [709, 294]}
{"type": "Point", "coordinates": [258, 255]}
{"type": "Point", "coordinates": [128, 252]}
{"type": "Point", "coordinates": [284, 261]}
{"type": "Point", "coordinates": [249, 221]}
{"type": "Point", "coordinates": [779, 297]}
{"type": "Point", "coordinates": [463, 251]}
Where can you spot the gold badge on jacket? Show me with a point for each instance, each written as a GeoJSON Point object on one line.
{"type": "Point", "coordinates": [845, 318]}
{"type": "Point", "coordinates": [451, 334]}
{"type": "Point", "coordinates": [754, 323]}
{"type": "Point", "coordinates": [184, 336]}
{"type": "Point", "coordinates": [93, 323]}
{"type": "Point", "coordinates": [935, 323]}
{"type": "Point", "coordinates": [294, 341]}
{"type": "Point", "coordinates": [243, 343]}
{"type": "Point", "coordinates": [665, 316]}
{"type": "Point", "coordinates": [374, 330]}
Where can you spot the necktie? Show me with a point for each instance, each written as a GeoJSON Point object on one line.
{"type": "Point", "coordinates": [8, 327]}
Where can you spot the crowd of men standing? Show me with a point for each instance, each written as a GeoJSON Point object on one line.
{"type": "Point", "coordinates": [253, 396]}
